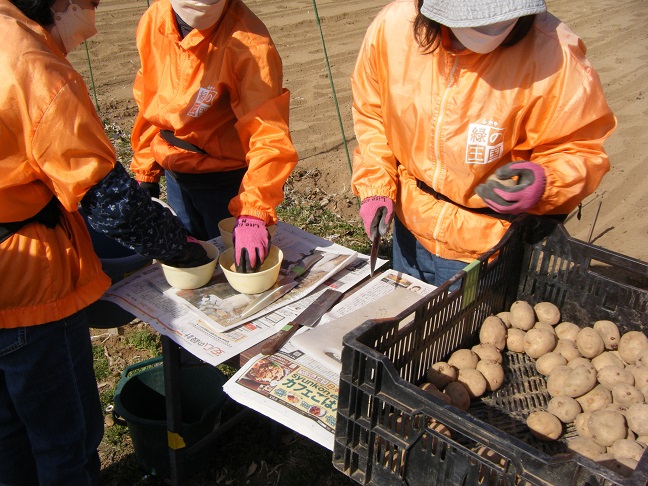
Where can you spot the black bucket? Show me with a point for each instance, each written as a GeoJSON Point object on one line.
{"type": "Point", "coordinates": [141, 402]}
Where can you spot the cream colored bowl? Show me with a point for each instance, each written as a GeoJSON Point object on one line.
{"type": "Point", "coordinates": [193, 277]}
{"type": "Point", "coordinates": [252, 283]}
{"type": "Point", "coordinates": [226, 226]}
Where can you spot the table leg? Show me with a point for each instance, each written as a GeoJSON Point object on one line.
{"type": "Point", "coordinates": [171, 362]}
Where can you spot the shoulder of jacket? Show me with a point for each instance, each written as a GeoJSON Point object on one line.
{"type": "Point", "coordinates": [557, 34]}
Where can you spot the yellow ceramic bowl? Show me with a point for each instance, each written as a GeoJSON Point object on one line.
{"type": "Point", "coordinates": [193, 277]}
{"type": "Point", "coordinates": [252, 283]}
{"type": "Point", "coordinates": [226, 226]}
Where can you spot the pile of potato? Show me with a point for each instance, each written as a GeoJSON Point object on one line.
{"type": "Point", "coordinates": [597, 378]}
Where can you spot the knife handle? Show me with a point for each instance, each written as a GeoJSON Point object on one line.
{"type": "Point", "coordinates": [279, 339]}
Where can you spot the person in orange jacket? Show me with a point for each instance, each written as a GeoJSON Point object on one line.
{"type": "Point", "coordinates": [467, 113]}
{"type": "Point", "coordinates": [213, 118]}
{"type": "Point", "coordinates": [55, 156]}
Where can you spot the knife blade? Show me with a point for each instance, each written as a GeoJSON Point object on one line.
{"type": "Point", "coordinates": [282, 287]}
{"type": "Point", "coordinates": [375, 245]}
{"type": "Point", "coordinates": [308, 317]}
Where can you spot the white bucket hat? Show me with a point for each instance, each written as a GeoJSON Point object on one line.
{"type": "Point", "coordinates": [476, 13]}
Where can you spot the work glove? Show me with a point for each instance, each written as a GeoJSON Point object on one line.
{"type": "Point", "coordinates": [518, 198]}
{"type": "Point", "coordinates": [377, 213]}
{"type": "Point", "coordinates": [251, 243]}
{"type": "Point", "coordinates": [153, 188]}
{"type": "Point", "coordinates": [192, 255]}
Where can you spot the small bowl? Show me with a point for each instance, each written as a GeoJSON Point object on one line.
{"type": "Point", "coordinates": [193, 277]}
{"type": "Point", "coordinates": [226, 226]}
{"type": "Point", "coordinates": [252, 283]}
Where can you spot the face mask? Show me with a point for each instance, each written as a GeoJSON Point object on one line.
{"type": "Point", "coordinates": [199, 14]}
{"type": "Point", "coordinates": [484, 39]}
{"type": "Point", "coordinates": [74, 25]}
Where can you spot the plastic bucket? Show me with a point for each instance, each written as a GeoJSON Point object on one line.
{"type": "Point", "coordinates": [117, 262]}
{"type": "Point", "coordinates": [141, 402]}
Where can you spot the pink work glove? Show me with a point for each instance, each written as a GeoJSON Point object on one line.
{"type": "Point", "coordinates": [376, 213]}
{"type": "Point", "coordinates": [518, 198]}
{"type": "Point", "coordinates": [251, 243]}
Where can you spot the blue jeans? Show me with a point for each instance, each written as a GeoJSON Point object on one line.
{"type": "Point", "coordinates": [200, 200]}
{"type": "Point", "coordinates": [51, 422]}
{"type": "Point", "coordinates": [410, 257]}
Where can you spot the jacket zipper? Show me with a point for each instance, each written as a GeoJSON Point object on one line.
{"type": "Point", "coordinates": [437, 153]}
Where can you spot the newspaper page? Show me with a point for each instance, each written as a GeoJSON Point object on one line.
{"type": "Point", "coordinates": [294, 387]}
{"type": "Point", "coordinates": [147, 296]}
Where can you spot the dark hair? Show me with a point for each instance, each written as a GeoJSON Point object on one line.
{"type": "Point", "coordinates": [427, 32]}
{"type": "Point", "coordinates": [37, 10]}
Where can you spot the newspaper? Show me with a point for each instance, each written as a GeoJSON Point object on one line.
{"type": "Point", "coordinates": [295, 388]}
{"type": "Point", "coordinates": [193, 319]}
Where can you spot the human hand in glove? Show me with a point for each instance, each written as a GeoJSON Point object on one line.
{"type": "Point", "coordinates": [153, 188]}
{"type": "Point", "coordinates": [519, 198]}
{"type": "Point", "coordinates": [192, 255]}
{"type": "Point", "coordinates": [377, 213]}
{"type": "Point", "coordinates": [251, 243]}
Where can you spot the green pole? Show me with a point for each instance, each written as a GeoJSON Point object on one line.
{"type": "Point", "coordinates": [94, 90]}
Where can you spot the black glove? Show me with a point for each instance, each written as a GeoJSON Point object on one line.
{"type": "Point", "coordinates": [192, 255]}
{"type": "Point", "coordinates": [153, 188]}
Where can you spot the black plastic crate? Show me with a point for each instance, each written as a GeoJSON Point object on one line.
{"type": "Point", "coordinates": [383, 435]}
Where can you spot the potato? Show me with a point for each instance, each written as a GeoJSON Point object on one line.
{"type": "Point", "coordinates": [505, 317]}
{"type": "Point", "coordinates": [547, 313]}
{"type": "Point", "coordinates": [515, 340]}
{"type": "Point", "coordinates": [439, 427]}
{"type": "Point", "coordinates": [545, 364]}
{"type": "Point", "coordinates": [585, 446]}
{"type": "Point", "coordinates": [545, 327]}
{"type": "Point", "coordinates": [642, 358]}
{"type": "Point", "coordinates": [431, 389]}
{"type": "Point", "coordinates": [556, 380]}
{"type": "Point", "coordinates": [441, 373]}
{"type": "Point", "coordinates": [626, 395]}
{"type": "Point", "coordinates": [607, 426]}
{"type": "Point", "coordinates": [631, 345]}
{"type": "Point", "coordinates": [580, 361]}
{"type": "Point", "coordinates": [491, 455]}
{"type": "Point", "coordinates": [565, 408]}
{"type": "Point", "coordinates": [487, 351]}
{"type": "Point", "coordinates": [622, 465]}
{"type": "Point", "coordinates": [643, 440]}
{"type": "Point", "coordinates": [609, 333]}
{"type": "Point", "coordinates": [579, 381]}
{"type": "Point", "coordinates": [463, 358]}
{"type": "Point", "coordinates": [589, 343]}
{"type": "Point", "coordinates": [544, 425]}
{"type": "Point", "coordinates": [522, 315]}
{"type": "Point", "coordinates": [640, 375]}
{"type": "Point", "coordinates": [596, 399]}
{"type": "Point", "coordinates": [627, 448]}
{"type": "Point", "coordinates": [616, 407]}
{"type": "Point", "coordinates": [613, 375]}
{"type": "Point", "coordinates": [538, 343]}
{"type": "Point", "coordinates": [607, 358]}
{"type": "Point", "coordinates": [493, 331]}
{"type": "Point", "coordinates": [458, 395]}
{"type": "Point", "coordinates": [644, 390]}
{"type": "Point", "coordinates": [493, 372]}
{"type": "Point", "coordinates": [567, 330]}
{"type": "Point", "coordinates": [474, 381]}
{"type": "Point", "coordinates": [580, 422]}
{"type": "Point", "coordinates": [567, 348]}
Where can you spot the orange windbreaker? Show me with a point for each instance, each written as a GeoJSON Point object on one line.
{"type": "Point", "coordinates": [221, 90]}
{"type": "Point", "coordinates": [450, 118]}
{"type": "Point", "coordinates": [48, 129]}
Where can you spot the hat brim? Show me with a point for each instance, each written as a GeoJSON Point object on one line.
{"type": "Point", "coordinates": [477, 13]}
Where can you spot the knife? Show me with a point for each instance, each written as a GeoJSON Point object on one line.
{"type": "Point", "coordinates": [308, 317]}
{"type": "Point", "coordinates": [374, 253]}
{"type": "Point", "coordinates": [282, 287]}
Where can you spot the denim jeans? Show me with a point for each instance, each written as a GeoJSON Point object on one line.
{"type": "Point", "coordinates": [410, 257]}
{"type": "Point", "coordinates": [200, 200]}
{"type": "Point", "coordinates": [51, 422]}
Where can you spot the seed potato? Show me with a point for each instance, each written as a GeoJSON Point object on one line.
{"type": "Point", "coordinates": [547, 313]}
{"type": "Point", "coordinates": [545, 364]}
{"type": "Point", "coordinates": [580, 422]}
{"type": "Point", "coordinates": [627, 448]}
{"type": "Point", "coordinates": [515, 340]}
{"type": "Point", "coordinates": [487, 351]}
{"type": "Point", "coordinates": [431, 389]}
{"type": "Point", "coordinates": [607, 358]}
{"type": "Point", "coordinates": [567, 330]}
{"type": "Point", "coordinates": [505, 318]}
{"type": "Point", "coordinates": [579, 381]}
{"type": "Point", "coordinates": [522, 315]}
{"type": "Point", "coordinates": [596, 399]}
{"type": "Point", "coordinates": [589, 343]}
{"type": "Point", "coordinates": [493, 372]}
{"type": "Point", "coordinates": [567, 348]}
{"type": "Point", "coordinates": [631, 345]}
{"type": "Point", "coordinates": [474, 382]}
{"type": "Point", "coordinates": [545, 327]}
{"type": "Point", "coordinates": [580, 361]}
{"type": "Point", "coordinates": [607, 426]}
{"type": "Point", "coordinates": [609, 333]}
{"type": "Point", "coordinates": [610, 376]}
{"type": "Point", "coordinates": [556, 380]}
{"type": "Point", "coordinates": [640, 375]}
{"type": "Point", "coordinates": [458, 395]}
{"type": "Point", "coordinates": [642, 358]}
{"type": "Point", "coordinates": [544, 425]}
{"type": "Point", "coordinates": [441, 373]}
{"type": "Point", "coordinates": [585, 446]}
{"type": "Point", "coordinates": [538, 343]}
{"type": "Point", "coordinates": [493, 331]}
{"type": "Point", "coordinates": [565, 408]}
{"type": "Point", "coordinates": [626, 395]}
{"type": "Point", "coordinates": [463, 358]}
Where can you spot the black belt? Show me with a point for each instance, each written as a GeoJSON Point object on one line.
{"type": "Point", "coordinates": [49, 216]}
{"type": "Point", "coordinates": [485, 211]}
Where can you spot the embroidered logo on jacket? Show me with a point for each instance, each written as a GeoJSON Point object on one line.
{"type": "Point", "coordinates": [204, 100]}
{"type": "Point", "coordinates": [485, 142]}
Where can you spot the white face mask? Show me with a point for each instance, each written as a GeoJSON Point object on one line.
{"type": "Point", "coordinates": [199, 14]}
{"type": "Point", "coordinates": [484, 39]}
{"type": "Point", "coordinates": [74, 25]}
